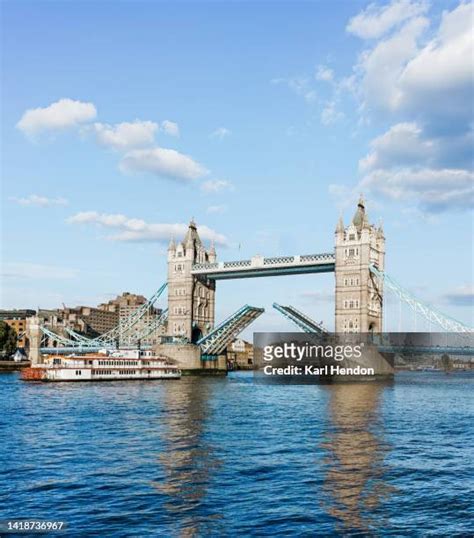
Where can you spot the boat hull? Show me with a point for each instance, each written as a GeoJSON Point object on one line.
{"type": "Point", "coordinates": [120, 365]}
{"type": "Point", "coordinates": [44, 374]}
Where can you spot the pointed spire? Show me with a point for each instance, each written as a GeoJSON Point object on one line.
{"type": "Point", "coordinates": [192, 238]}
{"type": "Point", "coordinates": [360, 219]}
{"type": "Point", "coordinates": [172, 244]}
{"type": "Point", "coordinates": [365, 221]}
{"type": "Point", "coordinates": [212, 256]}
{"type": "Point", "coordinates": [380, 228]}
{"type": "Point", "coordinates": [340, 224]}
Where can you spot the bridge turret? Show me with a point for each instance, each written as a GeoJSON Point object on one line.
{"type": "Point", "coordinates": [380, 232]}
{"type": "Point", "coordinates": [358, 296]}
{"type": "Point", "coordinates": [340, 228]}
{"type": "Point", "coordinates": [212, 253]}
{"type": "Point", "coordinates": [171, 248]}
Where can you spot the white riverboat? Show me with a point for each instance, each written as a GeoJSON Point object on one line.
{"type": "Point", "coordinates": [104, 365]}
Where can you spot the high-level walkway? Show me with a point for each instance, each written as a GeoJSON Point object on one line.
{"type": "Point", "coordinates": [259, 266]}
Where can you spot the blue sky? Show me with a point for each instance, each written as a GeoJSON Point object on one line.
{"type": "Point", "coordinates": [262, 120]}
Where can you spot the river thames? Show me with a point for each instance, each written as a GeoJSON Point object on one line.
{"type": "Point", "coordinates": [228, 457]}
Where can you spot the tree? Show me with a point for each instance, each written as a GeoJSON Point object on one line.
{"type": "Point", "coordinates": [8, 339]}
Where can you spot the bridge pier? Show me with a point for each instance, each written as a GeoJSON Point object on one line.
{"type": "Point", "coordinates": [188, 357]}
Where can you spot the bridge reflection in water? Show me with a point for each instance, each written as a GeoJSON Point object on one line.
{"type": "Point", "coordinates": [197, 464]}
{"type": "Point", "coordinates": [354, 450]}
{"type": "Point", "coordinates": [187, 459]}
{"type": "Point", "coordinates": [231, 457]}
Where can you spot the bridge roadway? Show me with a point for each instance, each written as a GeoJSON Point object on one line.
{"type": "Point", "coordinates": [302, 321]}
{"type": "Point", "coordinates": [260, 266]}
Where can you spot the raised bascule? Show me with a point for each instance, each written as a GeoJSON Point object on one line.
{"type": "Point", "coordinates": [189, 333]}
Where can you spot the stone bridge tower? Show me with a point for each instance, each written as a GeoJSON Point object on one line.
{"type": "Point", "coordinates": [191, 301]}
{"type": "Point", "coordinates": [359, 295]}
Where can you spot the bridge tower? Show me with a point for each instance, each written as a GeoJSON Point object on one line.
{"type": "Point", "coordinates": [191, 300]}
{"type": "Point", "coordinates": [359, 296]}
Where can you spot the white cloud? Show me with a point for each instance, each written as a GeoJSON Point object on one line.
{"type": "Point", "coordinates": [438, 82]}
{"type": "Point", "coordinates": [25, 270]}
{"type": "Point", "coordinates": [126, 135]}
{"type": "Point", "coordinates": [62, 114]}
{"type": "Point", "coordinates": [406, 144]}
{"type": "Point", "coordinates": [138, 230]}
{"type": "Point", "coordinates": [462, 296]}
{"type": "Point", "coordinates": [424, 81]}
{"type": "Point", "coordinates": [432, 81]}
{"type": "Point", "coordinates": [39, 201]}
{"type": "Point", "coordinates": [376, 21]}
{"type": "Point", "coordinates": [162, 162]}
{"type": "Point", "coordinates": [330, 114]}
{"type": "Point", "coordinates": [216, 209]}
{"type": "Point", "coordinates": [220, 133]}
{"type": "Point", "coordinates": [401, 145]}
{"type": "Point", "coordinates": [170, 127]}
{"type": "Point", "coordinates": [300, 86]}
{"type": "Point", "coordinates": [216, 185]}
{"type": "Point", "coordinates": [405, 164]}
{"type": "Point", "coordinates": [434, 190]}
{"type": "Point", "coordinates": [380, 68]}
{"type": "Point", "coordinates": [324, 73]}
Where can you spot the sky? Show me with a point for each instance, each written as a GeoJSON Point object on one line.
{"type": "Point", "coordinates": [263, 121]}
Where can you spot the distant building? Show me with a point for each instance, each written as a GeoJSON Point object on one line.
{"type": "Point", "coordinates": [17, 320]}
{"type": "Point", "coordinates": [240, 354]}
{"type": "Point", "coordinates": [128, 303]}
{"type": "Point", "coordinates": [124, 304]}
{"type": "Point", "coordinates": [467, 364]}
{"type": "Point", "coordinates": [91, 321]}
{"type": "Point", "coordinates": [87, 320]}
{"type": "Point", "coordinates": [94, 321]}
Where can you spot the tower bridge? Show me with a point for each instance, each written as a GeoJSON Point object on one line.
{"type": "Point", "coordinates": [194, 270]}
{"type": "Point", "coordinates": [191, 335]}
